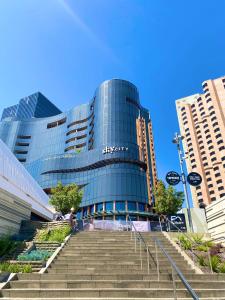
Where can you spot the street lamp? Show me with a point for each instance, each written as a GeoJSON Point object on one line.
{"type": "Point", "coordinates": [176, 140]}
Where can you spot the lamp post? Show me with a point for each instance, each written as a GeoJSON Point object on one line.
{"type": "Point", "coordinates": [176, 140]}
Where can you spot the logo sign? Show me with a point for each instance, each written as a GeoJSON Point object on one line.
{"type": "Point", "coordinates": [194, 179]}
{"type": "Point", "coordinates": [114, 149]}
{"type": "Point", "coordinates": [172, 178]}
{"type": "Point", "coordinates": [179, 222]}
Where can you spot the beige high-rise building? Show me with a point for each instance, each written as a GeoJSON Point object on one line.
{"type": "Point", "coordinates": [202, 124]}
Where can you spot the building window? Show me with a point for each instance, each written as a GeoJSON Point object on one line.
{"type": "Point", "coordinates": [207, 131]}
{"type": "Point", "coordinates": [22, 159]}
{"type": "Point", "coordinates": [24, 137]}
{"type": "Point", "coordinates": [219, 142]}
{"type": "Point", "coordinates": [120, 205]}
{"type": "Point", "coordinates": [213, 199]}
{"type": "Point", "coordinates": [222, 195]}
{"type": "Point", "coordinates": [207, 173]}
{"type": "Point", "coordinates": [210, 108]}
{"type": "Point", "coordinates": [108, 206]}
{"type": "Point", "coordinates": [213, 119]}
{"type": "Point", "coordinates": [99, 207]}
{"type": "Point", "coordinates": [205, 164]}
{"type": "Point", "coordinates": [199, 194]}
{"type": "Point", "coordinates": [209, 142]}
{"type": "Point", "coordinates": [131, 206]}
{"type": "Point", "coordinates": [219, 181]}
{"type": "Point", "coordinates": [216, 130]}
{"type": "Point", "coordinates": [212, 153]}
{"type": "Point", "coordinates": [202, 147]}
{"type": "Point", "coordinates": [215, 124]}
{"type": "Point", "coordinates": [211, 147]}
{"type": "Point", "coordinates": [213, 159]}
{"type": "Point", "coordinates": [211, 192]}
{"type": "Point", "coordinates": [217, 175]}
{"type": "Point", "coordinates": [209, 179]}
{"type": "Point", "coordinates": [208, 136]}
{"type": "Point", "coordinates": [221, 148]}
{"type": "Point", "coordinates": [210, 186]}
{"type": "Point", "coordinates": [220, 188]}
{"type": "Point", "coordinates": [20, 152]}
{"type": "Point", "coordinates": [208, 100]}
{"type": "Point", "coordinates": [22, 144]}
{"type": "Point", "coordinates": [56, 123]}
{"type": "Point", "coordinates": [141, 206]}
{"type": "Point", "coordinates": [216, 168]}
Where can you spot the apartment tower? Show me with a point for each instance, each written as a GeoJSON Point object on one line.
{"type": "Point", "coordinates": [202, 124]}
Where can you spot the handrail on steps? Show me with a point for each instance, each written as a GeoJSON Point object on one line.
{"type": "Point", "coordinates": [138, 237]}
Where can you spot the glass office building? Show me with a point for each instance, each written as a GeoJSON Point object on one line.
{"type": "Point", "coordinates": [106, 147]}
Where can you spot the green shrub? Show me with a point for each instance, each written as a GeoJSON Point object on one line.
{"type": "Point", "coordinates": [215, 262]}
{"type": "Point", "coordinates": [202, 248]}
{"type": "Point", "coordinates": [7, 245]}
{"type": "Point", "coordinates": [35, 255]}
{"type": "Point", "coordinates": [209, 244]}
{"type": "Point", "coordinates": [15, 268]}
{"type": "Point", "coordinates": [186, 244]}
{"type": "Point", "coordinates": [197, 238]}
{"type": "Point", "coordinates": [201, 261]}
{"type": "Point", "coordinates": [222, 268]}
{"type": "Point", "coordinates": [54, 235]}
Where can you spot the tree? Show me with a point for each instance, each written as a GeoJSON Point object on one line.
{"type": "Point", "coordinates": [167, 199]}
{"type": "Point", "coordinates": [65, 197]}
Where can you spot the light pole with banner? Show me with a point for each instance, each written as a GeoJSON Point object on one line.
{"type": "Point", "coordinates": [176, 140]}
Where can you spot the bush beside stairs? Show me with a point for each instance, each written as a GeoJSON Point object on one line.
{"type": "Point", "coordinates": [104, 265]}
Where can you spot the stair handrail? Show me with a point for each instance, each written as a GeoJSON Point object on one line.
{"type": "Point", "coordinates": [177, 270]}
{"type": "Point", "coordinates": [142, 240]}
{"type": "Point", "coordinates": [171, 261]}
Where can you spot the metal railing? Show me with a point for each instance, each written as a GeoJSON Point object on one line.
{"type": "Point", "coordinates": [137, 237]}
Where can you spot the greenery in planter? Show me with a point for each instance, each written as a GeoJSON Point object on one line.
{"type": "Point", "coordinates": [35, 255]}
{"type": "Point", "coordinates": [7, 245]}
{"type": "Point", "coordinates": [214, 263]}
{"type": "Point", "coordinates": [15, 268]}
{"type": "Point", "coordinates": [185, 243]}
{"type": "Point", "coordinates": [222, 268]}
{"type": "Point", "coordinates": [65, 197]}
{"type": "Point", "coordinates": [54, 235]}
{"type": "Point", "coordinates": [201, 261]}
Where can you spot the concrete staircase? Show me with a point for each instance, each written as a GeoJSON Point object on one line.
{"type": "Point", "coordinates": [104, 265]}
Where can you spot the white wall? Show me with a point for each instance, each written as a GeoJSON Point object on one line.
{"type": "Point", "coordinates": [215, 213]}
{"type": "Point", "coordinates": [15, 179]}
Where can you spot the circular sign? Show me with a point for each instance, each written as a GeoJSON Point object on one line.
{"type": "Point", "coordinates": [172, 178]}
{"type": "Point", "coordinates": [194, 179]}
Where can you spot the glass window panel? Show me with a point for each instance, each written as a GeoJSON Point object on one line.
{"type": "Point", "coordinates": [109, 206]}
{"type": "Point", "coordinates": [141, 206]}
{"type": "Point", "coordinates": [99, 207]}
{"type": "Point", "coordinates": [120, 218]}
{"type": "Point", "coordinates": [120, 205]}
{"type": "Point", "coordinates": [131, 205]}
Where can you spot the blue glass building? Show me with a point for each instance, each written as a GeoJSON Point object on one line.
{"type": "Point", "coordinates": [105, 146]}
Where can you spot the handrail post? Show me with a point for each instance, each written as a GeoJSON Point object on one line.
{"type": "Point", "coordinates": [157, 259]}
{"type": "Point", "coordinates": [174, 285]}
{"type": "Point", "coordinates": [209, 257]}
{"type": "Point", "coordinates": [148, 260]}
{"type": "Point", "coordinates": [160, 224]}
{"type": "Point", "coordinates": [141, 255]}
{"type": "Point", "coordinates": [135, 242]}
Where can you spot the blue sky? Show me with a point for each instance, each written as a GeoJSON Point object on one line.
{"type": "Point", "coordinates": [65, 49]}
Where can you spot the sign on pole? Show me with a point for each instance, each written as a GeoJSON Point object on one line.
{"type": "Point", "coordinates": [194, 179]}
{"type": "Point", "coordinates": [172, 178]}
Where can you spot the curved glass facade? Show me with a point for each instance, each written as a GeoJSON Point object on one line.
{"type": "Point", "coordinates": [106, 147]}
